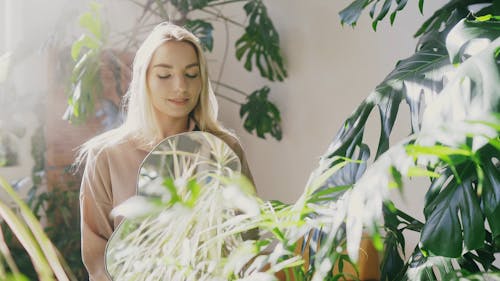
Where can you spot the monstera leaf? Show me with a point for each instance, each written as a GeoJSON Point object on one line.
{"type": "Point", "coordinates": [456, 219]}
{"type": "Point", "coordinates": [261, 115]}
{"type": "Point", "coordinates": [203, 30]}
{"type": "Point", "coordinates": [456, 209]}
{"type": "Point", "coordinates": [444, 101]}
{"type": "Point", "coordinates": [415, 79]}
{"type": "Point", "coordinates": [260, 43]}
{"type": "Point", "coordinates": [351, 13]}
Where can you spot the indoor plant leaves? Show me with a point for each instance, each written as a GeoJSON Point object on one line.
{"type": "Point", "coordinates": [261, 115]}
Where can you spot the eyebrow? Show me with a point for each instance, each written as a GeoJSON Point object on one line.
{"type": "Point", "coordinates": [170, 66]}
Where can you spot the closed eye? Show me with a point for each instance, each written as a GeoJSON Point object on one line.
{"type": "Point", "coordinates": [164, 76]}
{"type": "Point", "coordinates": [191, 75]}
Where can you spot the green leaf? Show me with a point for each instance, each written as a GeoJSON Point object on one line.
{"type": "Point", "coordinates": [174, 196]}
{"type": "Point", "coordinates": [490, 196]}
{"type": "Point", "coordinates": [441, 151]}
{"type": "Point", "coordinates": [351, 133]}
{"type": "Point", "coordinates": [261, 115]}
{"type": "Point", "coordinates": [392, 263]}
{"type": "Point", "coordinates": [383, 12]}
{"type": "Point", "coordinates": [401, 5]}
{"type": "Point", "coordinates": [468, 38]}
{"type": "Point", "coordinates": [372, 10]}
{"type": "Point", "coordinates": [351, 13]}
{"type": "Point", "coordinates": [353, 170]}
{"type": "Point", "coordinates": [86, 87]}
{"type": "Point", "coordinates": [421, 6]}
{"type": "Point", "coordinates": [16, 277]}
{"type": "Point", "coordinates": [91, 22]}
{"type": "Point", "coordinates": [203, 30]}
{"type": "Point", "coordinates": [420, 172]}
{"type": "Point", "coordinates": [419, 75]}
{"type": "Point", "coordinates": [260, 43]}
{"type": "Point", "coordinates": [83, 41]}
{"type": "Point", "coordinates": [32, 236]}
{"type": "Point", "coordinates": [448, 15]}
{"type": "Point", "coordinates": [454, 219]}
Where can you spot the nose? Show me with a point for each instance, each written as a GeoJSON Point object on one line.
{"type": "Point", "coordinates": [180, 84]}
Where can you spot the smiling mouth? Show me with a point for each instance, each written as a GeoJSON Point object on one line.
{"type": "Point", "coordinates": [179, 101]}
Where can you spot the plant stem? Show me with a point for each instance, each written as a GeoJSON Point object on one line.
{"type": "Point", "coordinates": [230, 88]}
{"type": "Point", "coordinates": [224, 57]}
{"type": "Point", "coordinates": [225, 2]}
{"type": "Point", "coordinates": [408, 218]}
{"type": "Point", "coordinates": [218, 15]}
{"type": "Point", "coordinates": [228, 99]}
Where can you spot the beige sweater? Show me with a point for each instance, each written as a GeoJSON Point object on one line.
{"type": "Point", "coordinates": [110, 182]}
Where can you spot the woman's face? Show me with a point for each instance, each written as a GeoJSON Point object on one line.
{"type": "Point", "coordinates": [173, 80]}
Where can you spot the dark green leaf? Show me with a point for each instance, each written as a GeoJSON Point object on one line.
{"type": "Point", "coordinates": [203, 30]}
{"type": "Point", "coordinates": [414, 77]}
{"type": "Point", "coordinates": [351, 132]}
{"type": "Point", "coordinates": [421, 6]}
{"type": "Point", "coordinates": [447, 15]}
{"type": "Point", "coordinates": [260, 43]}
{"type": "Point", "coordinates": [392, 263]}
{"type": "Point", "coordinates": [388, 108]}
{"type": "Point", "coordinates": [372, 10]}
{"type": "Point", "coordinates": [383, 12]}
{"type": "Point", "coordinates": [351, 13]}
{"type": "Point", "coordinates": [401, 5]}
{"type": "Point", "coordinates": [261, 115]}
{"type": "Point", "coordinates": [351, 172]}
{"type": "Point", "coordinates": [456, 219]}
{"type": "Point", "coordinates": [491, 194]}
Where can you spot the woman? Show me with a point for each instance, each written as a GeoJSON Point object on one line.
{"type": "Point", "coordinates": [169, 94]}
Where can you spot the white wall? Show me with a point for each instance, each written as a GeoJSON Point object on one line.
{"type": "Point", "coordinates": [331, 70]}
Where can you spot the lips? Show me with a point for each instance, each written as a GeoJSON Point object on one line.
{"type": "Point", "coordinates": [181, 101]}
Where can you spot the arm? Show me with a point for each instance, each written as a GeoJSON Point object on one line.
{"type": "Point", "coordinates": [235, 145]}
{"type": "Point", "coordinates": [95, 206]}
{"type": "Point", "coordinates": [245, 169]}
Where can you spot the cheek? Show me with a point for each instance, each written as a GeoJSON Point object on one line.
{"type": "Point", "coordinates": [196, 88]}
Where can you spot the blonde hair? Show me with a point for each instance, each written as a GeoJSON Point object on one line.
{"type": "Point", "coordinates": [141, 123]}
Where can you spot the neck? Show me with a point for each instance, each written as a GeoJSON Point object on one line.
{"type": "Point", "coordinates": [173, 126]}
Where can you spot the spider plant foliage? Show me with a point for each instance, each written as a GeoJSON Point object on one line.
{"type": "Point", "coordinates": [258, 47]}
{"type": "Point", "coordinates": [47, 261]}
{"type": "Point", "coordinates": [452, 87]}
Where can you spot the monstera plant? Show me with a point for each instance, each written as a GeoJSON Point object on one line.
{"type": "Point", "coordinates": [258, 47]}
{"type": "Point", "coordinates": [452, 87]}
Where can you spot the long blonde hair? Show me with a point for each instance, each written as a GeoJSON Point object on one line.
{"type": "Point", "coordinates": [141, 123]}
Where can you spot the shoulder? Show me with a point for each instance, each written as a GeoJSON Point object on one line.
{"type": "Point", "coordinates": [231, 140]}
{"type": "Point", "coordinates": [99, 150]}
